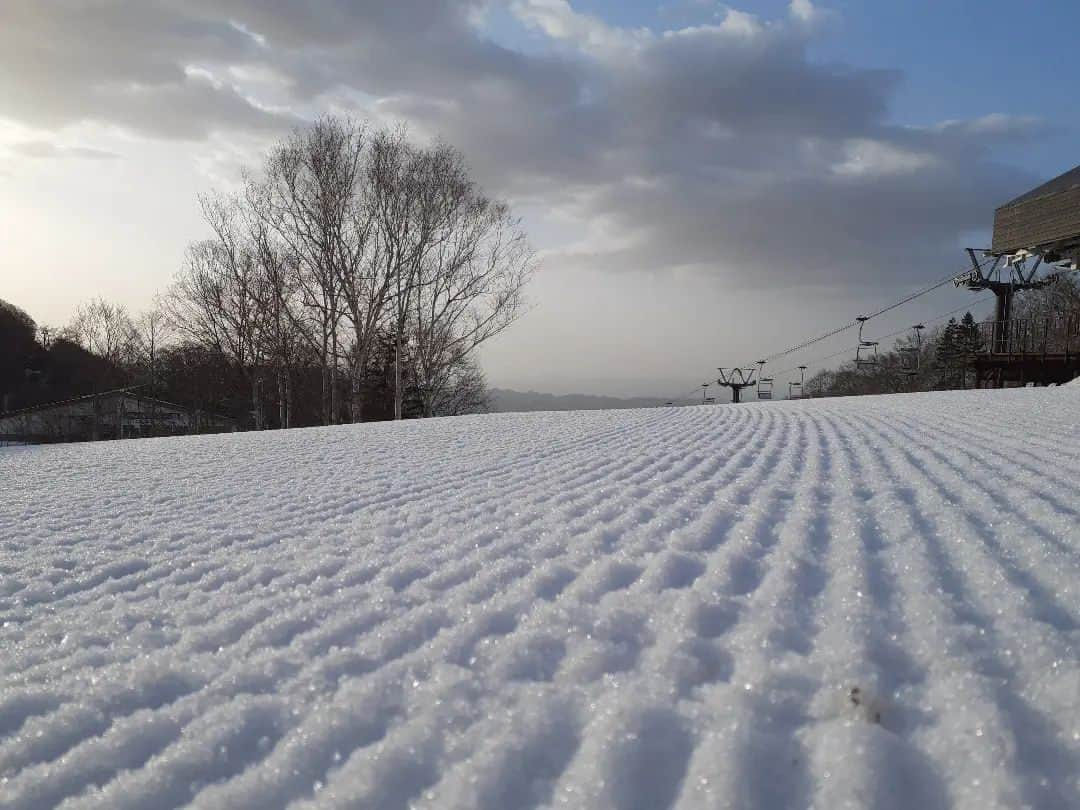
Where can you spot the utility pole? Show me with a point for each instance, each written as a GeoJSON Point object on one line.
{"type": "Point", "coordinates": [397, 377]}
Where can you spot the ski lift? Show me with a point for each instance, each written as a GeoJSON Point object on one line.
{"type": "Point", "coordinates": [736, 379]}
{"type": "Point", "coordinates": [866, 352]}
{"type": "Point", "coordinates": [795, 389]}
{"type": "Point", "coordinates": [911, 355]}
{"type": "Point", "coordinates": [764, 384]}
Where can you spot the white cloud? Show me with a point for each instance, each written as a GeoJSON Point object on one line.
{"type": "Point", "coordinates": [864, 157]}
{"type": "Point", "coordinates": [41, 150]}
{"type": "Point", "coordinates": [995, 125]}
{"type": "Point", "coordinates": [558, 20]}
{"type": "Point", "coordinates": [803, 10]}
{"type": "Point", "coordinates": [739, 22]}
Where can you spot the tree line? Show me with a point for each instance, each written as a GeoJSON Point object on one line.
{"type": "Point", "coordinates": [351, 278]}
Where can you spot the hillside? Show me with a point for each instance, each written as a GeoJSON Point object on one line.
{"type": "Point", "coordinates": [506, 400]}
{"type": "Point", "coordinates": [865, 602]}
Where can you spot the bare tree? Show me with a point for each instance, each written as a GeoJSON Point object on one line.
{"type": "Point", "coordinates": [419, 198]}
{"type": "Point", "coordinates": [347, 238]}
{"type": "Point", "coordinates": [470, 285]}
{"type": "Point", "coordinates": [1048, 315]}
{"type": "Point", "coordinates": [102, 328]}
{"type": "Point", "coordinates": [147, 336]}
{"type": "Point", "coordinates": [309, 200]}
{"type": "Point", "coordinates": [465, 392]}
{"type": "Point", "coordinates": [394, 188]}
{"type": "Point", "coordinates": [274, 292]}
{"type": "Point", "coordinates": [213, 300]}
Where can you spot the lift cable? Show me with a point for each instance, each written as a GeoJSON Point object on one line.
{"type": "Point", "coordinates": [853, 324]}
{"type": "Point", "coordinates": [950, 279]}
{"type": "Point", "coordinates": [848, 349]}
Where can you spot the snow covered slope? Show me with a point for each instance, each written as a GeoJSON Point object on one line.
{"type": "Point", "coordinates": [852, 603]}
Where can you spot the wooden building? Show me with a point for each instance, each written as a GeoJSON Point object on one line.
{"type": "Point", "coordinates": [1045, 221]}
{"type": "Point", "coordinates": [119, 414]}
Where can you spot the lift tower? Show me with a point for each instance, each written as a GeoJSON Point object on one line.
{"type": "Point", "coordinates": [1039, 229]}
{"type": "Point", "coordinates": [736, 379]}
{"type": "Point", "coordinates": [1004, 285]}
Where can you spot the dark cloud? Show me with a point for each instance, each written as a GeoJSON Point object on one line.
{"type": "Point", "coordinates": [807, 229]}
{"type": "Point", "coordinates": [131, 64]}
{"type": "Point", "coordinates": [724, 146]}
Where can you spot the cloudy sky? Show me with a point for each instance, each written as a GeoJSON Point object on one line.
{"type": "Point", "coordinates": [705, 183]}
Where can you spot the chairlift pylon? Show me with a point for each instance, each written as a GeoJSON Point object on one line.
{"type": "Point", "coordinates": [866, 353]}
{"type": "Point", "coordinates": [736, 379]}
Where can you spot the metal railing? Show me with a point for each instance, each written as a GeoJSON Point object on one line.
{"type": "Point", "coordinates": [1027, 337]}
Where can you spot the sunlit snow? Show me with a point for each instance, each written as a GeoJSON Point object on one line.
{"type": "Point", "coordinates": [868, 603]}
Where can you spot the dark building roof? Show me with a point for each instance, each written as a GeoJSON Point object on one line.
{"type": "Point", "coordinates": [1071, 179]}
{"type": "Point", "coordinates": [1045, 217]}
{"type": "Point", "coordinates": [112, 394]}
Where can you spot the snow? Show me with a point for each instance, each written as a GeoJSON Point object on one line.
{"type": "Point", "coordinates": [856, 603]}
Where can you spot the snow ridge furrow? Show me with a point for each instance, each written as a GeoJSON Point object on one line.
{"type": "Point", "coordinates": [829, 603]}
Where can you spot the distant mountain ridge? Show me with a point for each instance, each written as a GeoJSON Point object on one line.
{"type": "Point", "coordinates": [506, 400]}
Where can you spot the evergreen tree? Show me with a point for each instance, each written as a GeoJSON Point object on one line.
{"type": "Point", "coordinates": [968, 335]}
{"type": "Point", "coordinates": [955, 351]}
{"type": "Point", "coordinates": [947, 354]}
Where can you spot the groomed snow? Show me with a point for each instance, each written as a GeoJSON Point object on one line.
{"type": "Point", "coordinates": [868, 603]}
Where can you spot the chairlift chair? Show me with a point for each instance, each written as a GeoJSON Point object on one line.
{"type": "Point", "coordinates": [866, 353]}
{"type": "Point", "coordinates": [795, 387]}
{"type": "Point", "coordinates": [911, 355]}
{"type": "Point", "coordinates": [764, 385]}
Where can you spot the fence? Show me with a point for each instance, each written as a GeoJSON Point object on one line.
{"type": "Point", "coordinates": [1057, 336]}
